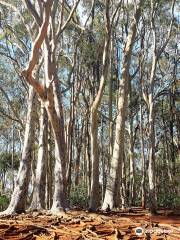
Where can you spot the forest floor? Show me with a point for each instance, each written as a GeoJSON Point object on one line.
{"type": "Point", "coordinates": [78, 224]}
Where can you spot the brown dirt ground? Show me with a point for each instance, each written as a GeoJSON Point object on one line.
{"type": "Point", "coordinates": [81, 225]}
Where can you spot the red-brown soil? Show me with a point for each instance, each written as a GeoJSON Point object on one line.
{"type": "Point", "coordinates": [77, 225]}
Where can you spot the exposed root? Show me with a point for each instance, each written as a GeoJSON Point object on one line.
{"type": "Point", "coordinates": [8, 213]}
{"type": "Point", "coordinates": [57, 211]}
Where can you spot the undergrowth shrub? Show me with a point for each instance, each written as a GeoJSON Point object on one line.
{"type": "Point", "coordinates": [4, 201]}
{"type": "Point", "coordinates": [79, 196]}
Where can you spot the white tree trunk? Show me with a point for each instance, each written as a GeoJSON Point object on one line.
{"type": "Point", "coordinates": [151, 135]}
{"type": "Point", "coordinates": [19, 196]}
{"type": "Point", "coordinates": [55, 113]}
{"type": "Point", "coordinates": [95, 189]}
{"type": "Point", "coordinates": [53, 105]}
{"type": "Point", "coordinates": [38, 200]}
{"type": "Point", "coordinates": [118, 150]}
{"type": "Point", "coordinates": [143, 167]}
{"type": "Point", "coordinates": [131, 163]}
{"type": "Point", "coordinates": [49, 172]}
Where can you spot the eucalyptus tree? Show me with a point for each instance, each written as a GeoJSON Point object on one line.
{"type": "Point", "coordinates": [158, 46]}
{"type": "Point", "coordinates": [50, 92]}
{"type": "Point", "coordinates": [19, 196]}
{"type": "Point", "coordinates": [9, 50]}
{"type": "Point", "coordinates": [118, 148]}
{"type": "Point", "coordinates": [38, 199]}
{"type": "Point", "coordinates": [49, 95]}
{"type": "Point", "coordinates": [94, 194]}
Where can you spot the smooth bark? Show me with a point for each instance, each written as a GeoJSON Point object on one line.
{"type": "Point", "coordinates": [95, 188]}
{"type": "Point", "coordinates": [19, 196]}
{"type": "Point", "coordinates": [118, 150]}
{"type": "Point", "coordinates": [38, 200]}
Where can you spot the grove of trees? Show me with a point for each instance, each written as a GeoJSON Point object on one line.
{"type": "Point", "coordinates": [89, 113]}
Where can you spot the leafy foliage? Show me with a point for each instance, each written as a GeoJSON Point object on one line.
{"type": "Point", "coordinates": [6, 161]}
{"type": "Point", "coordinates": [79, 196]}
{"type": "Point", "coordinates": [4, 201]}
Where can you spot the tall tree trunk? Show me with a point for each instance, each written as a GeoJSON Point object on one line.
{"type": "Point", "coordinates": [94, 193]}
{"type": "Point", "coordinates": [95, 189]}
{"type": "Point", "coordinates": [70, 139]}
{"type": "Point", "coordinates": [54, 108]}
{"type": "Point", "coordinates": [151, 167]}
{"type": "Point", "coordinates": [78, 154]}
{"type": "Point", "coordinates": [151, 136]}
{"type": "Point", "coordinates": [19, 196]}
{"type": "Point", "coordinates": [171, 124]}
{"type": "Point", "coordinates": [49, 171]}
{"type": "Point", "coordinates": [38, 200]}
{"type": "Point", "coordinates": [110, 105]}
{"type": "Point", "coordinates": [156, 53]}
{"type": "Point", "coordinates": [143, 167]}
{"type": "Point", "coordinates": [88, 156]}
{"type": "Point", "coordinates": [118, 150]}
{"type": "Point", "coordinates": [55, 113]}
{"type": "Point", "coordinates": [131, 151]}
{"type": "Point", "coordinates": [131, 163]}
{"type": "Point", "coordinates": [123, 184]}
{"type": "Point", "coordinates": [166, 149]}
{"type": "Point", "coordinates": [12, 158]}
{"type": "Point", "coordinates": [49, 93]}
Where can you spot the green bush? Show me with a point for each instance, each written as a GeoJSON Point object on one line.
{"type": "Point", "coordinates": [6, 161]}
{"type": "Point", "coordinates": [79, 196]}
{"type": "Point", "coordinates": [4, 201]}
{"type": "Point", "coordinates": [176, 202]}
{"type": "Point", "coordinates": [169, 200]}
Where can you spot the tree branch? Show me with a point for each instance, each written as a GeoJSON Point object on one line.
{"type": "Point", "coordinates": [27, 73]}
{"type": "Point", "coordinates": [160, 51]}
{"type": "Point", "coordinates": [20, 15]}
{"type": "Point", "coordinates": [115, 12]}
{"type": "Point", "coordinates": [61, 28]}
{"type": "Point", "coordinates": [33, 11]}
{"type": "Point", "coordinates": [12, 107]}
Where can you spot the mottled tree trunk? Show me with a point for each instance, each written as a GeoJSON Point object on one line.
{"type": "Point", "coordinates": [151, 167]}
{"type": "Point", "coordinates": [110, 104]}
{"type": "Point", "coordinates": [118, 150]}
{"type": "Point", "coordinates": [12, 158]}
{"type": "Point", "coordinates": [88, 154]}
{"type": "Point", "coordinates": [38, 200]}
{"type": "Point", "coordinates": [78, 154]}
{"type": "Point", "coordinates": [49, 171]}
{"type": "Point", "coordinates": [131, 159]}
{"type": "Point", "coordinates": [19, 196]}
{"type": "Point", "coordinates": [95, 188]}
{"type": "Point", "coordinates": [151, 136]}
{"type": "Point", "coordinates": [55, 113]}
{"type": "Point", "coordinates": [54, 108]}
{"type": "Point", "coordinates": [143, 166]}
{"type": "Point", "coordinates": [166, 147]}
{"type": "Point", "coordinates": [123, 185]}
{"type": "Point", "coordinates": [156, 53]}
{"type": "Point", "coordinates": [70, 140]}
{"type": "Point", "coordinates": [131, 171]}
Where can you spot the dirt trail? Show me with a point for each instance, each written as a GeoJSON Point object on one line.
{"type": "Point", "coordinates": [77, 225]}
